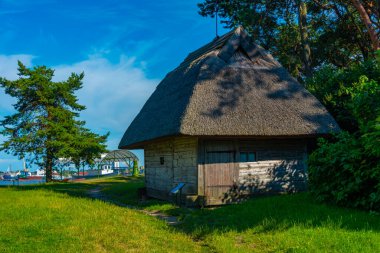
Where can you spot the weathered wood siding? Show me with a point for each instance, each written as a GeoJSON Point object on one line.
{"type": "Point", "coordinates": [211, 168]}
{"type": "Point", "coordinates": [180, 165]}
{"type": "Point", "coordinates": [219, 170]}
{"type": "Point", "coordinates": [280, 166]}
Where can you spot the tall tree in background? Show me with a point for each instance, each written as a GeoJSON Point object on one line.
{"type": "Point", "coordinates": [369, 14]}
{"type": "Point", "coordinates": [302, 24]}
{"type": "Point", "coordinates": [304, 34]}
{"type": "Point", "coordinates": [45, 126]}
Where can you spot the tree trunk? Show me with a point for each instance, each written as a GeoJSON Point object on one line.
{"type": "Point", "coordinates": [368, 23]}
{"type": "Point", "coordinates": [359, 41]}
{"type": "Point", "coordinates": [306, 51]}
{"type": "Point", "coordinates": [49, 168]}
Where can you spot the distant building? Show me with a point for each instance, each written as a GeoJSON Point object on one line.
{"type": "Point", "coordinates": [100, 172]}
{"type": "Point", "coordinates": [40, 172]}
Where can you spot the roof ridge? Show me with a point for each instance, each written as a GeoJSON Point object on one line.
{"type": "Point", "coordinates": [227, 45]}
{"type": "Point", "coordinates": [214, 44]}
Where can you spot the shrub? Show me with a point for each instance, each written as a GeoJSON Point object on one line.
{"type": "Point", "coordinates": [343, 172]}
{"type": "Point", "coordinates": [346, 169]}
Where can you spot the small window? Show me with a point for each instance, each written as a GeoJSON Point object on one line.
{"type": "Point", "coordinates": [247, 156]}
{"type": "Point", "coordinates": [162, 160]}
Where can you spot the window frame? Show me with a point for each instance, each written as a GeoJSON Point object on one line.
{"type": "Point", "coordinates": [247, 153]}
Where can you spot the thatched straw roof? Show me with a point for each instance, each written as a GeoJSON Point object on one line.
{"type": "Point", "coordinates": [230, 87]}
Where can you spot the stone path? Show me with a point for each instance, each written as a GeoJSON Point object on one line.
{"type": "Point", "coordinates": [96, 193]}
{"type": "Point", "coordinates": [171, 220]}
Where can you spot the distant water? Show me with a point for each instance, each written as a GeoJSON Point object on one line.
{"type": "Point", "coordinates": [22, 182]}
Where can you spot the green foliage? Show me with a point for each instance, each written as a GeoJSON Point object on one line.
{"type": "Point", "coordinates": [377, 54]}
{"type": "Point", "coordinates": [86, 147]}
{"type": "Point", "coordinates": [288, 48]}
{"type": "Point", "coordinates": [336, 87]}
{"type": "Point", "coordinates": [135, 168]}
{"type": "Point", "coordinates": [346, 169]}
{"type": "Point", "coordinates": [45, 126]}
{"type": "Point", "coordinates": [343, 172]}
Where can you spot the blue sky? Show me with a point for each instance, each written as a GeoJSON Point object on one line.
{"type": "Point", "coordinates": [124, 47]}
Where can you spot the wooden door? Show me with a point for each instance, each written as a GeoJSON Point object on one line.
{"type": "Point", "coordinates": [220, 171]}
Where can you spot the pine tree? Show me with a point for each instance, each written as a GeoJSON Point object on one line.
{"type": "Point", "coordinates": [45, 126]}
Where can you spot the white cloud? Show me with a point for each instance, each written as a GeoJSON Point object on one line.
{"type": "Point", "coordinates": [112, 93]}
{"type": "Point", "coordinates": [8, 69]}
{"type": "Point", "coordinates": [8, 64]}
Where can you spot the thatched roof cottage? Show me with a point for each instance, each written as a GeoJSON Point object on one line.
{"type": "Point", "coordinates": [229, 121]}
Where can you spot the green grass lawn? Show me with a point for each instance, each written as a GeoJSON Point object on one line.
{"type": "Point", "coordinates": [47, 220]}
{"type": "Point", "coordinates": [292, 223]}
{"type": "Point", "coordinates": [60, 218]}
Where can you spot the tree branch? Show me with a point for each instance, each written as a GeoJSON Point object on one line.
{"type": "Point", "coordinates": [367, 22]}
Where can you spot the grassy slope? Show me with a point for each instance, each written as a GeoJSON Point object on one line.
{"type": "Point", "coordinates": [285, 224]}
{"type": "Point", "coordinates": [293, 223]}
{"type": "Point", "coordinates": [46, 221]}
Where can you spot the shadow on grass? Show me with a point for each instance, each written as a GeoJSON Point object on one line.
{"type": "Point", "coordinates": [278, 213]}
{"type": "Point", "coordinates": [262, 214]}
{"type": "Point", "coordinates": [119, 190]}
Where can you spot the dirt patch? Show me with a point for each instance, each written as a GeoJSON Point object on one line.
{"type": "Point", "coordinates": [171, 220]}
